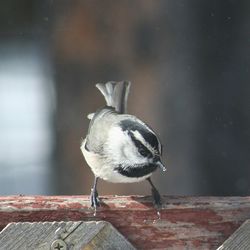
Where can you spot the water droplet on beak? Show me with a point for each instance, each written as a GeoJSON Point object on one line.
{"type": "Point", "coordinates": [162, 167]}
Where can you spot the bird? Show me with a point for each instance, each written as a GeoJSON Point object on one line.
{"type": "Point", "coordinates": [119, 147]}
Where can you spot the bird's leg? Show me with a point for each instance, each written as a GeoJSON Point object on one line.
{"type": "Point", "coordinates": [95, 202]}
{"type": "Point", "coordinates": [156, 195]}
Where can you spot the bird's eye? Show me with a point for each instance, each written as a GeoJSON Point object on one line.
{"type": "Point", "coordinates": [143, 152]}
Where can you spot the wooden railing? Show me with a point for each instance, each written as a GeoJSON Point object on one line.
{"type": "Point", "coordinates": [184, 222]}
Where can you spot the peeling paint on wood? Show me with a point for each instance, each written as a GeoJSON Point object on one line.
{"type": "Point", "coordinates": [185, 223]}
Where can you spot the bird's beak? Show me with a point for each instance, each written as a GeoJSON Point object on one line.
{"type": "Point", "coordinates": [161, 166]}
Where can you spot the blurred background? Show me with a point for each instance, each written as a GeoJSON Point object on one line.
{"type": "Point", "coordinates": [189, 64]}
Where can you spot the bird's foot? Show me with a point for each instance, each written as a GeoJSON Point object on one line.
{"type": "Point", "coordinates": [157, 198]}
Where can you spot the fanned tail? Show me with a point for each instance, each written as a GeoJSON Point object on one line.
{"type": "Point", "coordinates": [115, 94]}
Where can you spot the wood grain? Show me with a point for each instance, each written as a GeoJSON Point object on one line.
{"type": "Point", "coordinates": [239, 240]}
{"type": "Point", "coordinates": [185, 223]}
{"type": "Point", "coordinates": [76, 235]}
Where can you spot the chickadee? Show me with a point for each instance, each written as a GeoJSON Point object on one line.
{"type": "Point", "coordinates": [119, 147]}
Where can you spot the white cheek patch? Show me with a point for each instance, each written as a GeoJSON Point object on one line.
{"type": "Point", "coordinates": [131, 154]}
{"type": "Point", "coordinates": [121, 149]}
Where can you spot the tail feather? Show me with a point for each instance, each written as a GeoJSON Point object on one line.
{"type": "Point", "coordinates": [115, 94]}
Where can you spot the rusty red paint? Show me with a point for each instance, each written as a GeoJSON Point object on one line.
{"type": "Point", "coordinates": [186, 222]}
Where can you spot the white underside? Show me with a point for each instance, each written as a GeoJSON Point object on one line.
{"type": "Point", "coordinates": [105, 171]}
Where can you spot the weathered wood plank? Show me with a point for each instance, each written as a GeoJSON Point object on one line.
{"type": "Point", "coordinates": [186, 222]}
{"type": "Point", "coordinates": [239, 240]}
{"type": "Point", "coordinates": [62, 235]}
